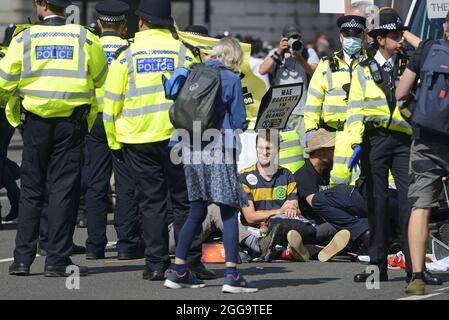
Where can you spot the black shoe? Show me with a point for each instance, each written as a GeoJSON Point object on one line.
{"type": "Point", "coordinates": [13, 214]}
{"type": "Point", "coordinates": [61, 271]}
{"type": "Point", "coordinates": [94, 256]}
{"type": "Point", "coordinates": [362, 277]}
{"type": "Point", "coordinates": [81, 223]}
{"type": "Point", "coordinates": [153, 275]}
{"type": "Point", "coordinates": [42, 252]}
{"type": "Point", "coordinates": [428, 278]}
{"type": "Point", "coordinates": [19, 269]}
{"type": "Point", "coordinates": [130, 255]}
{"type": "Point", "coordinates": [78, 249]}
{"type": "Point", "coordinates": [202, 273]}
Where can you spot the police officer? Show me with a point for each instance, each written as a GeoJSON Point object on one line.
{"type": "Point", "coordinates": [137, 123]}
{"type": "Point", "coordinates": [327, 97]}
{"type": "Point", "coordinates": [100, 161]}
{"type": "Point", "coordinates": [380, 138]}
{"type": "Point", "coordinates": [53, 68]}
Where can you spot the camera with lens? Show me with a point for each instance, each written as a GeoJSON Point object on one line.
{"type": "Point", "coordinates": [295, 44]}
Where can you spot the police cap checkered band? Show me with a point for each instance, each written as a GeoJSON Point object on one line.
{"type": "Point", "coordinates": [352, 25]}
{"type": "Point", "coordinates": [112, 18]}
{"type": "Point", "coordinates": [389, 26]}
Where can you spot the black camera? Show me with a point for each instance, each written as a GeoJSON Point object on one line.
{"type": "Point", "coordinates": [295, 43]}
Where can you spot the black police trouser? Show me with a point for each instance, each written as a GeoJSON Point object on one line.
{"type": "Point", "coordinates": [157, 177]}
{"type": "Point", "coordinates": [127, 217]}
{"type": "Point", "coordinates": [51, 148]}
{"type": "Point", "coordinates": [7, 178]}
{"type": "Point", "coordinates": [99, 166]}
{"type": "Point", "coordinates": [383, 150]}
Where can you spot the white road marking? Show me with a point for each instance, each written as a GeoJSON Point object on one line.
{"type": "Point", "coordinates": [421, 297]}
{"type": "Point", "coordinates": [430, 295]}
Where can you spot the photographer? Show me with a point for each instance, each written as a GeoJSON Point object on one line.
{"type": "Point", "coordinates": [290, 63]}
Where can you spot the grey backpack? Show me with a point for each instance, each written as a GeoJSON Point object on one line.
{"type": "Point", "coordinates": [196, 100]}
{"type": "Point", "coordinates": [432, 107]}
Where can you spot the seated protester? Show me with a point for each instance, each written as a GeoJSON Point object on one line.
{"type": "Point", "coordinates": [273, 198]}
{"type": "Point", "coordinates": [342, 206]}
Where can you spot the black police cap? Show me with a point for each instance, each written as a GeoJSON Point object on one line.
{"type": "Point", "coordinates": [60, 3]}
{"type": "Point", "coordinates": [198, 30]}
{"type": "Point", "coordinates": [352, 23]}
{"type": "Point", "coordinates": [155, 11]}
{"type": "Point", "coordinates": [112, 10]}
{"type": "Point", "coordinates": [385, 23]}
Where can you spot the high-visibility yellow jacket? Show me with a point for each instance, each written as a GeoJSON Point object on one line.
{"type": "Point", "coordinates": [54, 69]}
{"type": "Point", "coordinates": [111, 43]}
{"type": "Point", "coordinates": [326, 98]}
{"type": "Point", "coordinates": [290, 151]}
{"type": "Point", "coordinates": [368, 104]}
{"type": "Point", "coordinates": [135, 107]}
{"type": "Point", "coordinates": [3, 50]}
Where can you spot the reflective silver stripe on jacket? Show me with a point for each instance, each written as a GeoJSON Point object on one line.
{"type": "Point", "coordinates": [112, 96]}
{"type": "Point", "coordinates": [315, 93]}
{"type": "Point", "coordinates": [312, 109]}
{"type": "Point", "coordinates": [108, 118]}
{"type": "Point", "coordinates": [362, 80]}
{"type": "Point", "coordinates": [355, 118]}
{"type": "Point", "coordinates": [342, 160]}
{"type": "Point", "coordinates": [335, 109]}
{"type": "Point", "coordinates": [329, 79]}
{"type": "Point", "coordinates": [57, 95]}
{"type": "Point", "coordinates": [80, 73]}
{"type": "Point", "coordinates": [399, 123]}
{"type": "Point", "coordinates": [356, 104]}
{"type": "Point", "coordinates": [290, 144]}
{"type": "Point", "coordinates": [293, 159]}
{"type": "Point", "coordinates": [9, 77]}
{"type": "Point", "coordinates": [146, 110]}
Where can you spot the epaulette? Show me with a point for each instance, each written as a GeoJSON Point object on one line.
{"type": "Point", "coordinates": [120, 50]}
{"type": "Point", "coordinates": [195, 50]}
{"type": "Point", "coordinates": [20, 28]}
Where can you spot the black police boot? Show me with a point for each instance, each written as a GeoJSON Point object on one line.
{"type": "Point", "coordinates": [202, 273]}
{"type": "Point", "coordinates": [153, 275]}
{"type": "Point", "coordinates": [19, 269]}
{"type": "Point", "coordinates": [428, 278]}
{"type": "Point", "coordinates": [62, 271]}
{"type": "Point", "coordinates": [78, 249]}
{"type": "Point", "coordinates": [130, 255]}
{"type": "Point", "coordinates": [95, 256]}
{"type": "Point", "coordinates": [362, 277]}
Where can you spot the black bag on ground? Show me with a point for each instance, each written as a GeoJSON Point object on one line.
{"type": "Point", "coordinates": [196, 100]}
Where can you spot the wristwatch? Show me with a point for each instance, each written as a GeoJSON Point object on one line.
{"type": "Point", "coordinates": [275, 56]}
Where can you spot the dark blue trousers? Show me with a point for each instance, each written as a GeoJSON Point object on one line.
{"type": "Point", "coordinates": [52, 148]}
{"type": "Point", "coordinates": [99, 167]}
{"type": "Point", "coordinates": [344, 208]}
{"type": "Point", "coordinates": [7, 179]}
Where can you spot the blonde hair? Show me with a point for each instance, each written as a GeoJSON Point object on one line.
{"type": "Point", "coordinates": [228, 51]}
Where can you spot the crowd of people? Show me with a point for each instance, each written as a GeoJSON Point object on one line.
{"type": "Point", "coordinates": [349, 173]}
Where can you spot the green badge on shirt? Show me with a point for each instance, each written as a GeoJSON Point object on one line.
{"type": "Point", "coordinates": [280, 193]}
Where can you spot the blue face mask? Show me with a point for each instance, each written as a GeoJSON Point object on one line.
{"type": "Point", "coordinates": [352, 45]}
